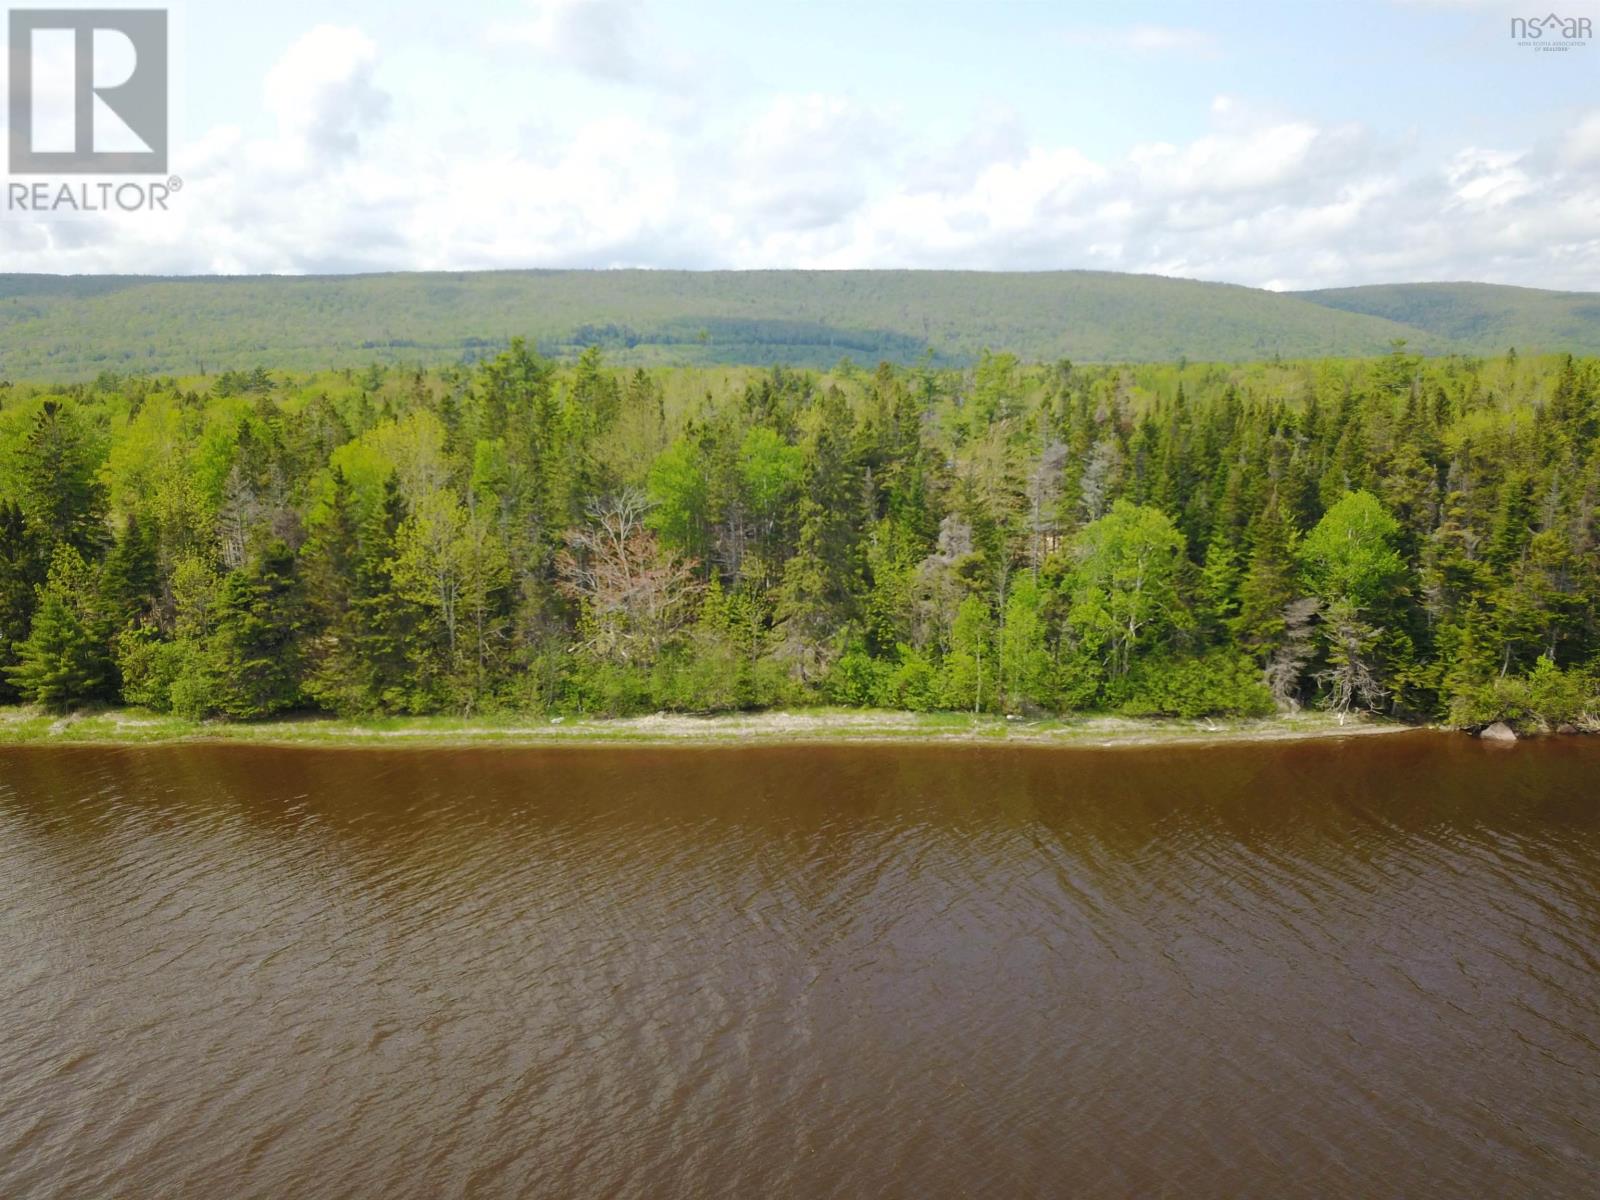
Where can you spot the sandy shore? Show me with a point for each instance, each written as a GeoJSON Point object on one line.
{"type": "Point", "coordinates": [20, 726]}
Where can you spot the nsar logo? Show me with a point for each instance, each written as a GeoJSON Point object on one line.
{"type": "Point", "coordinates": [1552, 32]}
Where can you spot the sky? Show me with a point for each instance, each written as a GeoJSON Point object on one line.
{"type": "Point", "coordinates": [1286, 145]}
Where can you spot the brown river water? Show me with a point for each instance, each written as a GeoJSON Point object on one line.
{"type": "Point", "coordinates": [1342, 968]}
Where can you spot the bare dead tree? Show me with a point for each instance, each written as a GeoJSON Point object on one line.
{"type": "Point", "coordinates": [1044, 494]}
{"type": "Point", "coordinates": [938, 589]}
{"type": "Point", "coordinates": [1288, 662]}
{"type": "Point", "coordinates": [1105, 462]}
{"type": "Point", "coordinates": [1349, 676]}
{"type": "Point", "coordinates": [636, 594]}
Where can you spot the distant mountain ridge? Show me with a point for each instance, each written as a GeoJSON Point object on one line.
{"type": "Point", "coordinates": [74, 327]}
{"type": "Point", "coordinates": [1485, 316]}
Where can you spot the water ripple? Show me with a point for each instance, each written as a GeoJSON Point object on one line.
{"type": "Point", "coordinates": [1297, 970]}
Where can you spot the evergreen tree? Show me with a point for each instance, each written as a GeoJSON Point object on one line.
{"type": "Point", "coordinates": [130, 576]}
{"type": "Point", "coordinates": [20, 575]}
{"type": "Point", "coordinates": [816, 593]}
{"type": "Point", "coordinates": [59, 493]}
{"type": "Point", "coordinates": [255, 649]}
{"type": "Point", "coordinates": [65, 660]}
{"type": "Point", "coordinates": [393, 635]}
{"type": "Point", "coordinates": [335, 673]}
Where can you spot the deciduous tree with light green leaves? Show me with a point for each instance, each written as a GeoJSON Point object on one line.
{"type": "Point", "coordinates": [1124, 583]}
{"type": "Point", "coordinates": [449, 560]}
{"type": "Point", "coordinates": [1351, 554]}
{"type": "Point", "coordinates": [1350, 562]}
{"type": "Point", "coordinates": [1024, 654]}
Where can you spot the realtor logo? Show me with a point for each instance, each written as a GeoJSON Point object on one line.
{"type": "Point", "coordinates": [88, 91]}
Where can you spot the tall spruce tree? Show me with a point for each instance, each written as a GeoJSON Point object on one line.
{"type": "Point", "coordinates": [60, 495]}
{"type": "Point", "coordinates": [255, 649]}
{"type": "Point", "coordinates": [65, 661]}
{"type": "Point", "coordinates": [21, 571]}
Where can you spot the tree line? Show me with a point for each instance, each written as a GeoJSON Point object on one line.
{"type": "Point", "coordinates": [1418, 537]}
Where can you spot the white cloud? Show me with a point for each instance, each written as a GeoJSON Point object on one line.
{"type": "Point", "coordinates": [323, 95]}
{"type": "Point", "coordinates": [344, 181]}
{"type": "Point", "coordinates": [1582, 146]}
{"type": "Point", "coordinates": [996, 136]}
{"type": "Point", "coordinates": [1487, 179]}
{"type": "Point", "coordinates": [594, 36]}
{"type": "Point", "coordinates": [1223, 163]}
{"type": "Point", "coordinates": [606, 40]}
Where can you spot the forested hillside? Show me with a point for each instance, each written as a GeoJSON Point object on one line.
{"type": "Point", "coordinates": [57, 328]}
{"type": "Point", "coordinates": [1416, 537]}
{"type": "Point", "coordinates": [1481, 316]}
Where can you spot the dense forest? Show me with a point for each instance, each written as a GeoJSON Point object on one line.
{"type": "Point", "coordinates": [1417, 537]}
{"type": "Point", "coordinates": [73, 328]}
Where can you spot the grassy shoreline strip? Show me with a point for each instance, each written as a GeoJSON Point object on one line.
{"type": "Point", "coordinates": [25, 726]}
